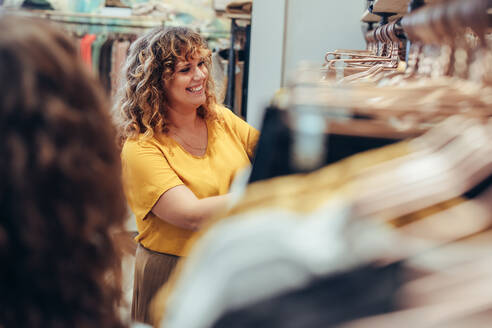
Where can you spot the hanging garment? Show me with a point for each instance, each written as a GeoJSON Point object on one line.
{"type": "Point", "coordinates": [105, 63]}
{"type": "Point", "coordinates": [96, 52]}
{"type": "Point", "coordinates": [252, 257]}
{"type": "Point", "coordinates": [275, 152]}
{"type": "Point", "coordinates": [325, 301]}
{"type": "Point", "coordinates": [303, 197]}
{"type": "Point", "coordinates": [219, 77]}
{"type": "Point", "coordinates": [119, 51]}
{"type": "Point", "coordinates": [86, 49]}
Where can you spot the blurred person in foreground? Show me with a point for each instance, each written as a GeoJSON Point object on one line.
{"type": "Point", "coordinates": [60, 191]}
{"type": "Point", "coordinates": [180, 154]}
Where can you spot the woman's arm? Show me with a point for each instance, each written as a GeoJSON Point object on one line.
{"type": "Point", "coordinates": [180, 206]}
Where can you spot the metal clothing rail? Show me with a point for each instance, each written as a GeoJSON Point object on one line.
{"type": "Point", "coordinates": [96, 23]}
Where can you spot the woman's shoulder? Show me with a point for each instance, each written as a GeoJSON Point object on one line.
{"type": "Point", "coordinates": [219, 108]}
{"type": "Point", "coordinates": [137, 141]}
{"type": "Point", "coordinates": [224, 114]}
{"type": "Point", "coordinates": [140, 142]}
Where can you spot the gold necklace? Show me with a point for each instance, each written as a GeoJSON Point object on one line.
{"type": "Point", "coordinates": [187, 144]}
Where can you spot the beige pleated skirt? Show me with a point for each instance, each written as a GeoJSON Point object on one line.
{"type": "Point", "coordinates": [152, 270]}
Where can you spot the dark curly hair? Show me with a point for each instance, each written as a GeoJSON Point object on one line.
{"type": "Point", "coordinates": [60, 190]}
{"type": "Point", "coordinates": [142, 104]}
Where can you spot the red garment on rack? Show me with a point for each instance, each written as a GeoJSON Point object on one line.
{"type": "Point", "coordinates": [86, 49]}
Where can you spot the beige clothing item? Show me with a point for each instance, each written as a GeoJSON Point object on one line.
{"type": "Point", "coordinates": [152, 270]}
{"type": "Point", "coordinates": [240, 7]}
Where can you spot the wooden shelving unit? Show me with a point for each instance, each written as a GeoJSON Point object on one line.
{"type": "Point", "coordinates": [246, 17]}
{"type": "Point", "coordinates": [390, 6]}
{"type": "Point", "coordinates": [394, 6]}
{"type": "Point", "coordinates": [368, 17]}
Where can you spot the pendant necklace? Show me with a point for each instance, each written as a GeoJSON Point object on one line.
{"type": "Point", "coordinates": [187, 144]}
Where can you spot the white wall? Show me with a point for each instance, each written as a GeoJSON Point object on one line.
{"type": "Point", "coordinates": [266, 56]}
{"type": "Point", "coordinates": [285, 32]}
{"type": "Point", "coordinates": [314, 27]}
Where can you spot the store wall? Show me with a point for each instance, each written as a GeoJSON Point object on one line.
{"type": "Point", "coordinates": [314, 27]}
{"type": "Point", "coordinates": [286, 32]}
{"type": "Point", "coordinates": [266, 56]}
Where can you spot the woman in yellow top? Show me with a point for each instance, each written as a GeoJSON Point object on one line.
{"type": "Point", "coordinates": [181, 150]}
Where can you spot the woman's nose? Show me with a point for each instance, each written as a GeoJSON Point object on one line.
{"type": "Point", "coordinates": [199, 74]}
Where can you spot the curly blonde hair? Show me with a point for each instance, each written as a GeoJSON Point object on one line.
{"type": "Point", "coordinates": [142, 103]}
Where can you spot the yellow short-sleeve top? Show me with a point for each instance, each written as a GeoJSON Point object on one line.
{"type": "Point", "coordinates": [153, 166]}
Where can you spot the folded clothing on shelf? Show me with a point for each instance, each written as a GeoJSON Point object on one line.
{"type": "Point", "coordinates": [239, 7]}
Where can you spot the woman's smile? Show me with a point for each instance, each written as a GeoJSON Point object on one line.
{"type": "Point", "coordinates": [195, 90]}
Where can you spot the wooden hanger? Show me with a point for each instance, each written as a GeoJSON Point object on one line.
{"type": "Point", "coordinates": [384, 53]}
{"type": "Point", "coordinates": [450, 172]}
{"type": "Point", "coordinates": [380, 70]}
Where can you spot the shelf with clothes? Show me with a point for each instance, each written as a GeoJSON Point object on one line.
{"type": "Point", "coordinates": [105, 53]}
{"type": "Point", "coordinates": [103, 39]}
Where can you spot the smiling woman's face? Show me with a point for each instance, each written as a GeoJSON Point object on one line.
{"type": "Point", "coordinates": [186, 90]}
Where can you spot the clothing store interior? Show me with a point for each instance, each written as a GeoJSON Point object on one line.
{"type": "Point", "coordinates": [266, 163]}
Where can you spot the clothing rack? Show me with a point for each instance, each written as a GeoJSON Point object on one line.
{"type": "Point", "coordinates": [96, 23]}
{"type": "Point", "coordinates": [231, 67]}
{"type": "Point", "coordinates": [103, 39]}
{"type": "Point", "coordinates": [429, 183]}
{"type": "Point", "coordinates": [386, 55]}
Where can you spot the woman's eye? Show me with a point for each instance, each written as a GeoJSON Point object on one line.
{"type": "Point", "coordinates": [184, 70]}
{"type": "Point", "coordinates": [201, 63]}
